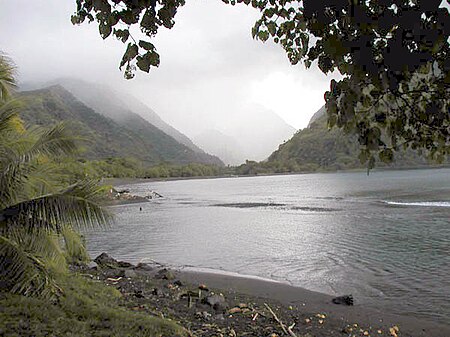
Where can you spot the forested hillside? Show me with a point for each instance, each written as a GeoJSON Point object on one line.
{"type": "Point", "coordinates": [134, 137]}
{"type": "Point", "coordinates": [120, 106]}
{"type": "Point", "coordinates": [316, 148]}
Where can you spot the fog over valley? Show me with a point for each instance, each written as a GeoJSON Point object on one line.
{"type": "Point", "coordinates": [234, 97]}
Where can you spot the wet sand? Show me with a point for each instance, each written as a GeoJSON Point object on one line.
{"type": "Point", "coordinates": [310, 302]}
{"type": "Point", "coordinates": [227, 304]}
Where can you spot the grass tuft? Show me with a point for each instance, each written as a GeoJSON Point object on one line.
{"type": "Point", "coordinates": [87, 308]}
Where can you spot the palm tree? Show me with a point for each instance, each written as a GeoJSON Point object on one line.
{"type": "Point", "coordinates": [34, 214]}
{"type": "Point", "coordinates": [7, 79]}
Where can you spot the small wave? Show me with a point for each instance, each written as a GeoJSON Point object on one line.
{"type": "Point", "coordinates": [250, 204]}
{"type": "Point", "coordinates": [228, 273]}
{"type": "Point", "coordinates": [277, 206]}
{"type": "Point", "coordinates": [419, 203]}
{"type": "Point", "coordinates": [330, 198]}
{"type": "Point", "coordinates": [314, 209]}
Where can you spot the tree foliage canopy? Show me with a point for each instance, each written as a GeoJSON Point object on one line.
{"type": "Point", "coordinates": [393, 56]}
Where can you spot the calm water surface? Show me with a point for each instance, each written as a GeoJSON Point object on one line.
{"type": "Point", "coordinates": [385, 237]}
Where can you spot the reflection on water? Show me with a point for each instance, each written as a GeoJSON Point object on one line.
{"type": "Point", "coordinates": [371, 236]}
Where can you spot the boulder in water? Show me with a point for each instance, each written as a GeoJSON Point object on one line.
{"type": "Point", "coordinates": [106, 261]}
{"type": "Point", "coordinates": [124, 264]}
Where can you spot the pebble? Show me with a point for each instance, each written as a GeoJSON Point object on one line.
{"type": "Point", "coordinates": [234, 310]}
{"type": "Point", "coordinates": [130, 273]}
{"type": "Point", "coordinates": [203, 287]}
{"type": "Point", "coordinates": [203, 314]}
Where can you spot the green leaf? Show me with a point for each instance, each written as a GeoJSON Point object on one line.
{"type": "Point", "coordinates": [263, 35]}
{"type": "Point", "coordinates": [149, 59]}
{"type": "Point", "coordinates": [131, 53]}
{"type": "Point", "coordinates": [101, 5]}
{"type": "Point", "coordinates": [105, 30]}
{"type": "Point", "coordinates": [128, 16]}
{"type": "Point", "coordinates": [122, 34]}
{"type": "Point", "coordinates": [75, 19]}
{"type": "Point", "coordinates": [146, 45]}
{"type": "Point", "coordinates": [143, 63]}
{"type": "Point", "coordinates": [271, 26]}
{"type": "Point", "coordinates": [113, 19]}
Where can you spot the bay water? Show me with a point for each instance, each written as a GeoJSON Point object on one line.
{"type": "Point", "coordinates": [383, 237]}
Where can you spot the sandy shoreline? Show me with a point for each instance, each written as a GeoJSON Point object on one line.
{"type": "Point", "coordinates": [163, 290]}
{"type": "Point", "coordinates": [314, 302]}
{"type": "Point", "coordinates": [131, 181]}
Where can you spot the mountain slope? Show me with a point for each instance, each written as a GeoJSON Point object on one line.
{"type": "Point", "coordinates": [135, 137]}
{"type": "Point", "coordinates": [120, 106]}
{"type": "Point", "coordinates": [319, 113]}
{"type": "Point", "coordinates": [317, 147]}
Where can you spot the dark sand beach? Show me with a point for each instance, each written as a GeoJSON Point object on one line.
{"type": "Point", "coordinates": [310, 303]}
{"type": "Point", "coordinates": [213, 304]}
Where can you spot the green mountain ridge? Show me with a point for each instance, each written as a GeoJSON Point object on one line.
{"type": "Point", "coordinates": [120, 106]}
{"type": "Point", "coordinates": [133, 137]}
{"type": "Point", "coordinates": [318, 148]}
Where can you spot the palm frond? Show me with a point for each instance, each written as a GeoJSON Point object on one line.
{"type": "Point", "coordinates": [74, 206]}
{"type": "Point", "coordinates": [7, 76]}
{"type": "Point", "coordinates": [15, 164]}
{"type": "Point", "coordinates": [88, 189]}
{"type": "Point", "coordinates": [46, 245]}
{"type": "Point", "coordinates": [75, 247]}
{"type": "Point", "coordinates": [11, 179]}
{"type": "Point", "coordinates": [24, 272]}
{"type": "Point", "coordinates": [52, 142]}
{"type": "Point", "coordinates": [43, 178]}
{"type": "Point", "coordinates": [9, 116]}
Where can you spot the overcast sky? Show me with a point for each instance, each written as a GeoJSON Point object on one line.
{"type": "Point", "coordinates": [210, 65]}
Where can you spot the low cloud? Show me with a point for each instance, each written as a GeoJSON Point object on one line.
{"type": "Point", "coordinates": [210, 65]}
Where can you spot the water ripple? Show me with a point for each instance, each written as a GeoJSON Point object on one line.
{"type": "Point", "coordinates": [385, 238]}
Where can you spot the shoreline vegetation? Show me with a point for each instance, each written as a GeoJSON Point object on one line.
{"type": "Point", "coordinates": [116, 298]}
{"type": "Point", "coordinates": [121, 181]}
{"type": "Point", "coordinates": [130, 168]}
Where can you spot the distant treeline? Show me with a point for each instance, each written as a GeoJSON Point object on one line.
{"type": "Point", "coordinates": [314, 149]}
{"type": "Point", "coordinates": [133, 168]}
{"type": "Point", "coordinates": [75, 169]}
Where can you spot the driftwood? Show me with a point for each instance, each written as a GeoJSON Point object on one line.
{"type": "Point", "coordinates": [287, 331]}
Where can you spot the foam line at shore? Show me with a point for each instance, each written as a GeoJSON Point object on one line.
{"type": "Point", "coordinates": [228, 273]}
{"type": "Point", "coordinates": [420, 203]}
